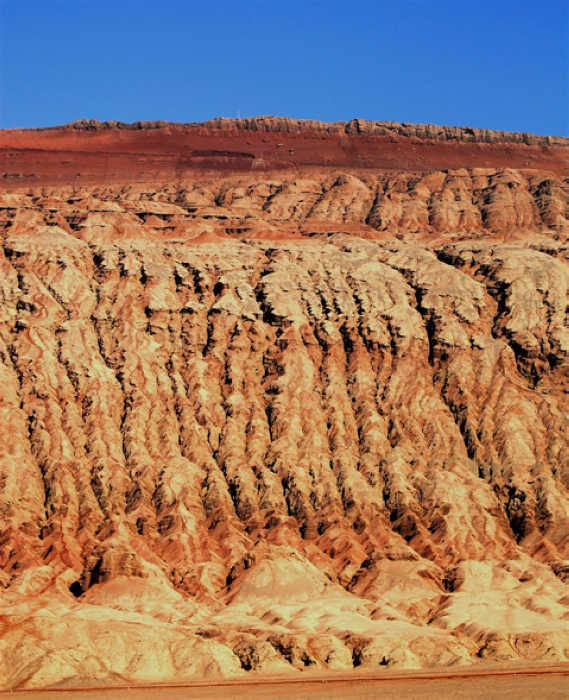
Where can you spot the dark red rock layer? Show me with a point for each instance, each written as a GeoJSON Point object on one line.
{"type": "Point", "coordinates": [89, 151]}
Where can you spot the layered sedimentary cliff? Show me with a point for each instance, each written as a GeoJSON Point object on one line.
{"type": "Point", "coordinates": [355, 126]}
{"type": "Point", "coordinates": [89, 152]}
{"type": "Point", "coordinates": [263, 422]}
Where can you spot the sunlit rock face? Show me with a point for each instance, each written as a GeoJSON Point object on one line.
{"type": "Point", "coordinates": [261, 421]}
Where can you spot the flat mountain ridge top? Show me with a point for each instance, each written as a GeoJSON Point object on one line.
{"type": "Point", "coordinates": [353, 126]}
{"type": "Point", "coordinates": [92, 152]}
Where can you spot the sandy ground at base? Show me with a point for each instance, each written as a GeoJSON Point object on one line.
{"type": "Point", "coordinates": [493, 682]}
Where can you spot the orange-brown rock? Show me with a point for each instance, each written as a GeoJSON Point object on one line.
{"type": "Point", "coordinates": [88, 152]}
{"type": "Point", "coordinates": [269, 420]}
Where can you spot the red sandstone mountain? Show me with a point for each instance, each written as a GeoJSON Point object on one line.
{"type": "Point", "coordinates": [90, 151]}
{"type": "Point", "coordinates": [280, 394]}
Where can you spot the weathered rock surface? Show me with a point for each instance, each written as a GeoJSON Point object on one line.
{"type": "Point", "coordinates": [257, 423]}
{"type": "Point", "coordinates": [449, 205]}
{"type": "Point", "coordinates": [88, 151]}
{"type": "Point", "coordinates": [355, 126]}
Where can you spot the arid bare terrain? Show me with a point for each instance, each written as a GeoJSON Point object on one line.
{"type": "Point", "coordinates": [281, 396]}
{"type": "Point", "coordinates": [492, 681]}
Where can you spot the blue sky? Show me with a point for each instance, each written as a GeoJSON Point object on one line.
{"type": "Point", "coordinates": [500, 64]}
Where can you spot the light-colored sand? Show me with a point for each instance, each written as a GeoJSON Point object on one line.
{"type": "Point", "coordinates": [519, 683]}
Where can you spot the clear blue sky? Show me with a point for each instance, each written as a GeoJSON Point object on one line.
{"type": "Point", "coordinates": [500, 64]}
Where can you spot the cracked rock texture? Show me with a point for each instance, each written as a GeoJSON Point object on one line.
{"type": "Point", "coordinates": [271, 422]}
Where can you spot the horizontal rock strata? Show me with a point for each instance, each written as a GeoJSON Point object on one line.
{"type": "Point", "coordinates": [268, 422]}
{"type": "Point", "coordinates": [89, 152]}
{"type": "Point", "coordinates": [355, 126]}
{"type": "Point", "coordinates": [449, 205]}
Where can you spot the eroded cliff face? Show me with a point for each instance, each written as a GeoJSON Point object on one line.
{"type": "Point", "coordinates": [355, 126]}
{"type": "Point", "coordinates": [90, 152]}
{"type": "Point", "coordinates": [261, 424]}
{"type": "Point", "coordinates": [445, 205]}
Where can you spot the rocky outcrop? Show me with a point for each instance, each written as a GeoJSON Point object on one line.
{"type": "Point", "coordinates": [385, 128]}
{"type": "Point", "coordinates": [354, 126]}
{"type": "Point", "coordinates": [262, 420]}
{"type": "Point", "coordinates": [90, 152]}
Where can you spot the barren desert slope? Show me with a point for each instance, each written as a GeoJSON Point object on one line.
{"type": "Point", "coordinates": [280, 395]}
